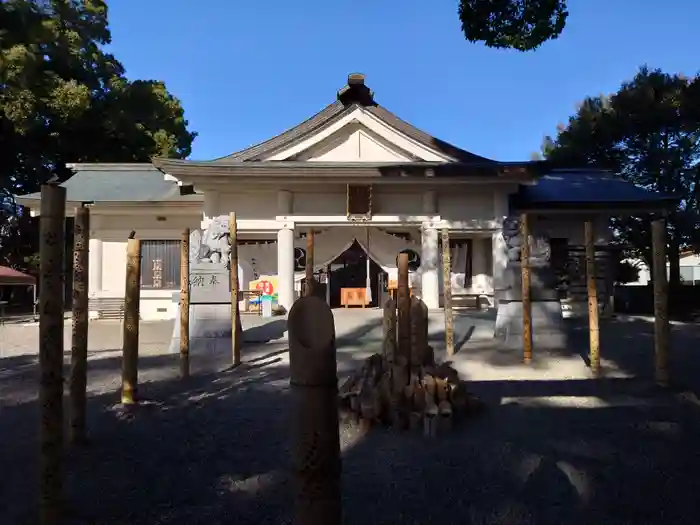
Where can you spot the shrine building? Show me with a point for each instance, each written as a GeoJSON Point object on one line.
{"type": "Point", "coordinates": [370, 186]}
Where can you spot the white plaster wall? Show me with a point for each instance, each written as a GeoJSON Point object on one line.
{"type": "Point", "coordinates": [247, 204]}
{"type": "Point", "coordinates": [354, 143]}
{"type": "Point", "coordinates": [113, 231]}
{"type": "Point", "coordinates": [464, 203]}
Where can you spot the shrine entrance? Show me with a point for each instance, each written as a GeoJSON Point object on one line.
{"type": "Point", "coordinates": [355, 280]}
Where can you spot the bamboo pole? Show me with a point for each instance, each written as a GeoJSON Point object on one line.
{"type": "Point", "coordinates": [525, 277]}
{"type": "Point", "coordinates": [591, 281]}
{"type": "Point", "coordinates": [236, 332]}
{"type": "Point", "coordinates": [185, 304]}
{"type": "Point", "coordinates": [51, 271]}
{"type": "Point", "coordinates": [661, 325]}
{"type": "Point", "coordinates": [309, 263]}
{"type": "Point", "coordinates": [403, 301]}
{"type": "Point", "coordinates": [79, 346]}
{"type": "Point", "coordinates": [130, 340]}
{"type": "Point", "coordinates": [447, 293]}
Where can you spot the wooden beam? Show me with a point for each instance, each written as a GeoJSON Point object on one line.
{"type": "Point", "coordinates": [592, 285]}
{"type": "Point", "coordinates": [51, 273]}
{"type": "Point", "coordinates": [525, 277]}
{"type": "Point", "coordinates": [236, 332]}
{"type": "Point", "coordinates": [447, 293]}
{"type": "Point", "coordinates": [79, 339]}
{"type": "Point", "coordinates": [130, 339]}
{"type": "Point", "coordinates": [661, 325]}
{"type": "Point", "coordinates": [185, 304]}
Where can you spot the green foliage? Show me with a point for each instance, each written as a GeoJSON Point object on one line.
{"type": "Point", "coordinates": [648, 133]}
{"type": "Point", "coordinates": [64, 99]}
{"type": "Point", "coordinates": [516, 24]}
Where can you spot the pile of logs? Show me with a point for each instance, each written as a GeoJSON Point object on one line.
{"type": "Point", "coordinates": [404, 386]}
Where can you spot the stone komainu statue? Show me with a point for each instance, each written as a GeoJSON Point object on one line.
{"type": "Point", "coordinates": [211, 245]}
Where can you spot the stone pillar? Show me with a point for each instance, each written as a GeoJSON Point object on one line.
{"type": "Point", "coordinates": [285, 267]}
{"type": "Point", "coordinates": [429, 261]}
{"type": "Point", "coordinates": [95, 266]}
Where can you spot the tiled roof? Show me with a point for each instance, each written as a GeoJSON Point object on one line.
{"type": "Point", "coordinates": [586, 188]}
{"type": "Point", "coordinates": [118, 183]}
{"type": "Point", "coordinates": [351, 97]}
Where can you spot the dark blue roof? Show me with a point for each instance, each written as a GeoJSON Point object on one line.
{"type": "Point", "coordinates": [586, 188]}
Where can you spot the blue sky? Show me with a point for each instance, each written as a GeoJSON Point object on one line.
{"type": "Point", "coordinates": [246, 71]}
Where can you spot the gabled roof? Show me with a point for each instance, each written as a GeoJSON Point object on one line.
{"type": "Point", "coordinates": [137, 182]}
{"type": "Point", "coordinates": [587, 189]}
{"type": "Point", "coordinates": [353, 96]}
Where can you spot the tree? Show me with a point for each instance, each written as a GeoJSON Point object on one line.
{"type": "Point", "coordinates": [649, 134]}
{"type": "Point", "coordinates": [516, 24]}
{"type": "Point", "coordinates": [64, 99]}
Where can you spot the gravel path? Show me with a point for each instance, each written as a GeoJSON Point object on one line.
{"type": "Point", "coordinates": [554, 447]}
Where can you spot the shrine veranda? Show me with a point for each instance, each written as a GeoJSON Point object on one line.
{"type": "Point", "coordinates": [369, 185]}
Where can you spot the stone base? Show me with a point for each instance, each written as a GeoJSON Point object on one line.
{"type": "Point", "coordinates": [548, 331]}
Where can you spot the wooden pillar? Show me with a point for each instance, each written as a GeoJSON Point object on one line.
{"type": "Point", "coordinates": [447, 293]}
{"type": "Point", "coordinates": [314, 381]}
{"type": "Point", "coordinates": [79, 342]}
{"type": "Point", "coordinates": [389, 329]}
{"type": "Point", "coordinates": [661, 325]}
{"type": "Point", "coordinates": [130, 341]}
{"type": "Point", "coordinates": [309, 263]}
{"type": "Point", "coordinates": [591, 282]}
{"type": "Point", "coordinates": [525, 277]}
{"type": "Point", "coordinates": [185, 304]}
{"type": "Point", "coordinates": [404, 307]}
{"type": "Point", "coordinates": [236, 330]}
{"type": "Point", "coordinates": [51, 276]}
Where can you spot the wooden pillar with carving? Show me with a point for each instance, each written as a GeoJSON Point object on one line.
{"type": "Point", "coordinates": [525, 278]}
{"type": "Point", "coordinates": [661, 325]}
{"type": "Point", "coordinates": [185, 304]}
{"type": "Point", "coordinates": [79, 343]}
{"type": "Point", "coordinates": [447, 293]}
{"type": "Point", "coordinates": [130, 339]}
{"type": "Point", "coordinates": [236, 329]}
{"type": "Point", "coordinates": [592, 285]}
{"type": "Point", "coordinates": [51, 303]}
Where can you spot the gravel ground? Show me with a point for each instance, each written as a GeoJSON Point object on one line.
{"type": "Point", "coordinates": [553, 446]}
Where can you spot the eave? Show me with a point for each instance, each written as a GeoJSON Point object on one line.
{"type": "Point", "coordinates": [190, 172]}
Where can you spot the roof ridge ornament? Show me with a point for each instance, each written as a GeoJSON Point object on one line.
{"type": "Point", "coordinates": [356, 92]}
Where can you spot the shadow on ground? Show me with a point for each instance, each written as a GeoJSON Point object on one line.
{"type": "Point", "coordinates": [216, 449]}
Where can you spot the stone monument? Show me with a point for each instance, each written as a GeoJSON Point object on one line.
{"type": "Point", "coordinates": [547, 323]}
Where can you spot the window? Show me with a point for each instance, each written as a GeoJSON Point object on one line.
{"type": "Point", "coordinates": [359, 201]}
{"type": "Point", "coordinates": [160, 265]}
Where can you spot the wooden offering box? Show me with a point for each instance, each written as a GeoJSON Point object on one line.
{"type": "Point", "coordinates": [353, 297]}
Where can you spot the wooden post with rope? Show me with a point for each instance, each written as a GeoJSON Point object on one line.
{"type": "Point", "coordinates": [51, 278]}
{"type": "Point", "coordinates": [79, 341]}
{"type": "Point", "coordinates": [185, 304]}
{"type": "Point", "coordinates": [132, 299]}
